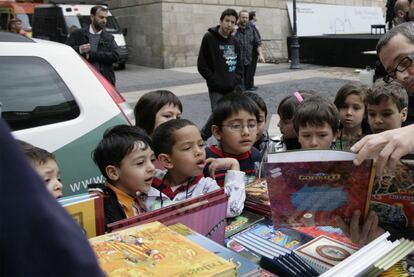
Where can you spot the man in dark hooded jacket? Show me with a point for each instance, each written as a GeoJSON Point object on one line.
{"type": "Point", "coordinates": [219, 62]}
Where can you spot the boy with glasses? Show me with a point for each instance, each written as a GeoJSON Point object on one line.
{"type": "Point", "coordinates": [235, 128]}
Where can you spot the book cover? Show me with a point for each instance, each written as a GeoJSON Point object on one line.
{"type": "Point", "coordinates": [257, 198]}
{"type": "Point", "coordinates": [241, 222]}
{"type": "Point", "coordinates": [308, 188]}
{"type": "Point", "coordinates": [205, 214]}
{"type": "Point", "coordinates": [88, 212]}
{"type": "Point", "coordinates": [323, 253]}
{"type": "Point", "coordinates": [243, 265]}
{"type": "Point", "coordinates": [393, 196]}
{"type": "Point", "coordinates": [155, 250]}
{"type": "Point", "coordinates": [329, 231]}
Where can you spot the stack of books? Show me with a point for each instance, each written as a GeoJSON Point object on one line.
{"type": "Point", "coordinates": [257, 198]}
{"type": "Point", "coordinates": [373, 258]}
{"type": "Point", "coordinates": [88, 211]}
{"type": "Point", "coordinates": [154, 249]}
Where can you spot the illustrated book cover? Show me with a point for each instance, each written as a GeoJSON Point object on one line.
{"type": "Point", "coordinates": [311, 187]}
{"type": "Point", "coordinates": [257, 198]}
{"type": "Point", "coordinates": [323, 253]}
{"type": "Point", "coordinates": [87, 210]}
{"type": "Point", "coordinates": [205, 214]}
{"type": "Point", "coordinates": [244, 267]}
{"type": "Point", "coordinates": [393, 195]}
{"type": "Point", "coordinates": [241, 222]}
{"type": "Point", "coordinates": [155, 250]}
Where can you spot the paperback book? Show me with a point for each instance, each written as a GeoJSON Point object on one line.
{"type": "Point", "coordinates": [155, 250]}
{"type": "Point", "coordinates": [257, 198]}
{"type": "Point", "coordinates": [241, 222]}
{"type": "Point", "coordinates": [312, 187]}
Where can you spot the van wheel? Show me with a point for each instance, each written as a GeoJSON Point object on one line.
{"type": "Point", "coordinates": [120, 66]}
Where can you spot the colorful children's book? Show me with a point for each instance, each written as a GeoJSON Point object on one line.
{"type": "Point", "coordinates": [243, 265]}
{"type": "Point", "coordinates": [155, 250]}
{"type": "Point", "coordinates": [87, 210]}
{"type": "Point", "coordinates": [323, 253]}
{"type": "Point", "coordinates": [241, 222]}
{"type": "Point", "coordinates": [205, 214]}
{"type": "Point", "coordinates": [312, 187]}
{"type": "Point", "coordinates": [393, 196]}
{"type": "Point", "coordinates": [329, 231]}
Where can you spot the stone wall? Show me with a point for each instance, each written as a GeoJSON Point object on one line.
{"type": "Point", "coordinates": [168, 33]}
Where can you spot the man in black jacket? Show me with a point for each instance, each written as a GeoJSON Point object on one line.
{"type": "Point", "coordinates": [95, 44]}
{"type": "Point", "coordinates": [219, 62]}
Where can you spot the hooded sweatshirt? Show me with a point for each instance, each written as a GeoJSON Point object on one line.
{"type": "Point", "coordinates": [219, 61]}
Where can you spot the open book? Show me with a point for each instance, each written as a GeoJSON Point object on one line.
{"type": "Point", "coordinates": [311, 187]}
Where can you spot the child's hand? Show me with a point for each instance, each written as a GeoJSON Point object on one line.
{"type": "Point", "coordinates": [364, 234]}
{"type": "Point", "coordinates": [221, 163]}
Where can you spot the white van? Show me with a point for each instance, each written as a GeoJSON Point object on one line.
{"type": "Point", "coordinates": [53, 99]}
{"type": "Point", "coordinates": [54, 22]}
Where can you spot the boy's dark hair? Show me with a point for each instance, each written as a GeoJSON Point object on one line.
{"type": "Point", "coordinates": [252, 14]}
{"type": "Point", "coordinates": [164, 136]}
{"type": "Point", "coordinates": [94, 9]}
{"type": "Point", "coordinates": [382, 91]}
{"type": "Point", "coordinates": [148, 106]}
{"type": "Point", "coordinates": [231, 104]}
{"type": "Point", "coordinates": [315, 111]}
{"type": "Point", "coordinates": [229, 12]}
{"type": "Point", "coordinates": [258, 100]}
{"type": "Point", "coordinates": [117, 142]}
{"type": "Point", "coordinates": [351, 88]}
{"type": "Point", "coordinates": [36, 155]}
{"type": "Point", "coordinates": [287, 107]}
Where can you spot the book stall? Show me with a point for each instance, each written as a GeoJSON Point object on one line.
{"type": "Point", "coordinates": [286, 229]}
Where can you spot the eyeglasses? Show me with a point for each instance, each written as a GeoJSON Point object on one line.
{"type": "Point", "coordinates": [238, 127]}
{"type": "Point", "coordinates": [401, 67]}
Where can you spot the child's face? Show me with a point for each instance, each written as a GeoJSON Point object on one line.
{"type": "Point", "coordinates": [261, 125]}
{"type": "Point", "coordinates": [286, 128]}
{"type": "Point", "coordinates": [385, 116]}
{"type": "Point", "coordinates": [238, 133]}
{"type": "Point", "coordinates": [167, 112]}
{"type": "Point", "coordinates": [50, 174]}
{"type": "Point", "coordinates": [316, 137]}
{"type": "Point", "coordinates": [136, 171]}
{"type": "Point", "coordinates": [352, 112]}
{"type": "Point", "coordinates": [188, 156]}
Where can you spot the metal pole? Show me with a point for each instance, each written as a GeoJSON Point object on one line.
{"type": "Point", "coordinates": [294, 43]}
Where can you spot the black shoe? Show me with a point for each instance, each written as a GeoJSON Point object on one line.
{"type": "Point", "coordinates": [253, 88]}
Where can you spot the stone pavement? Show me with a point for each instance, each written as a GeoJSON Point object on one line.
{"type": "Point", "coordinates": [275, 81]}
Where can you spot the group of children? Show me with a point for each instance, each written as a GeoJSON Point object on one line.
{"type": "Point", "coordinates": [163, 159]}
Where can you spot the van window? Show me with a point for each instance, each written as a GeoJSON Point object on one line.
{"type": "Point", "coordinates": [112, 25]}
{"type": "Point", "coordinates": [5, 15]}
{"type": "Point", "coordinates": [33, 94]}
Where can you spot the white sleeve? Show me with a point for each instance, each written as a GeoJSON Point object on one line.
{"type": "Point", "coordinates": [234, 187]}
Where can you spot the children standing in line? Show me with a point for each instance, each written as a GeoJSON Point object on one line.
{"type": "Point", "coordinates": [124, 156]}
{"type": "Point", "coordinates": [235, 128]}
{"type": "Point", "coordinates": [262, 136]}
{"type": "Point", "coordinates": [180, 149]}
{"type": "Point", "coordinates": [387, 106]}
{"type": "Point", "coordinates": [156, 107]}
{"type": "Point", "coordinates": [44, 163]}
{"type": "Point", "coordinates": [350, 102]}
{"type": "Point", "coordinates": [316, 121]}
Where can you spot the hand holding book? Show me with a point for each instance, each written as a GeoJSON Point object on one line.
{"type": "Point", "coordinates": [361, 234]}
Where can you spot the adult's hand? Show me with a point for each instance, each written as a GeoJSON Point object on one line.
{"type": "Point", "coordinates": [387, 147]}
{"type": "Point", "coordinates": [361, 234]}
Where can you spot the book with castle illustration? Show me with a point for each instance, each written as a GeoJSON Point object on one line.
{"type": "Point", "coordinates": [155, 250]}
{"type": "Point", "coordinates": [311, 187]}
{"type": "Point", "coordinates": [393, 195]}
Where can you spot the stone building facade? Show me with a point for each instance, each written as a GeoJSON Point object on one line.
{"type": "Point", "coordinates": [168, 33]}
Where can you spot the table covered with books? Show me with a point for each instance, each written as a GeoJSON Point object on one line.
{"type": "Point", "coordinates": [284, 230]}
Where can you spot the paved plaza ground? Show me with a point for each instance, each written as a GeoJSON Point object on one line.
{"type": "Point", "coordinates": [275, 81]}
